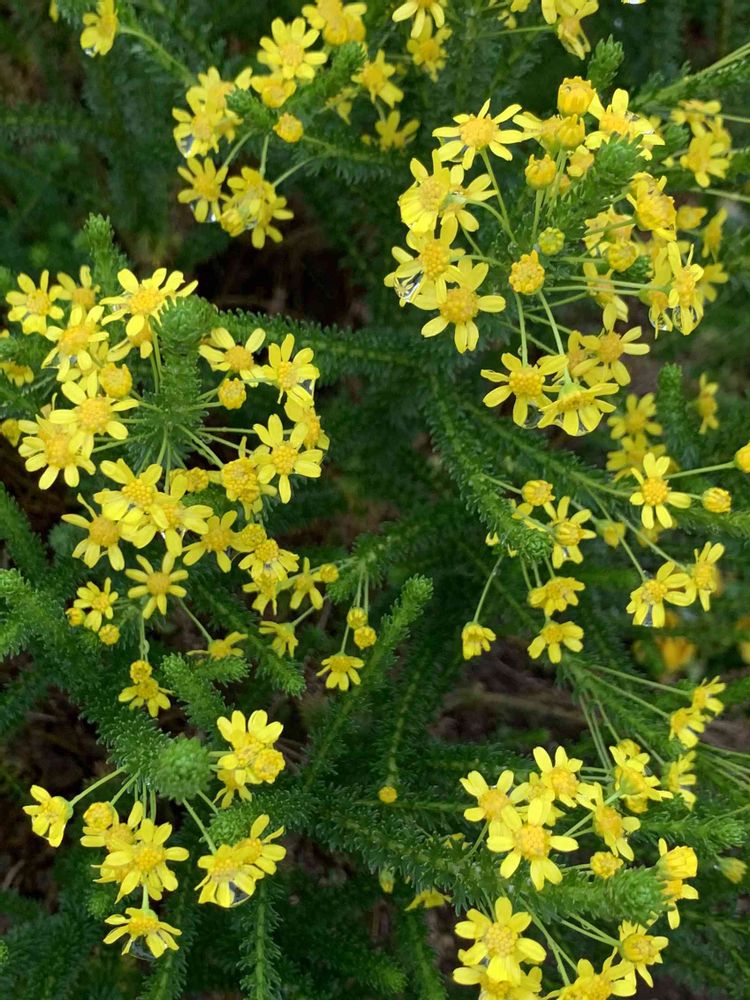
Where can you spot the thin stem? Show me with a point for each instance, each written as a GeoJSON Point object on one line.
{"type": "Point", "coordinates": [180, 67]}
{"type": "Point", "coordinates": [196, 819]}
{"type": "Point", "coordinates": [487, 585]}
{"type": "Point", "coordinates": [95, 785]}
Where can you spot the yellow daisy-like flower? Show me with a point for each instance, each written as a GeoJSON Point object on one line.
{"type": "Point", "coordinates": [274, 90]}
{"type": "Point", "coordinates": [204, 188]}
{"type": "Point", "coordinates": [50, 816]}
{"type": "Point", "coordinates": [103, 536]}
{"type": "Point", "coordinates": [156, 584]}
{"type": "Point", "coordinates": [100, 29]}
{"type": "Point", "coordinates": [526, 383]}
{"type": "Point", "coordinates": [49, 446]}
{"type": "Point", "coordinates": [143, 302]}
{"type": "Point", "coordinates": [279, 455]}
{"type": "Point", "coordinates": [224, 354]}
{"type": "Point", "coordinates": [172, 518]}
{"type": "Point", "coordinates": [655, 494]}
{"type": "Point", "coordinates": [142, 923]}
{"type": "Point", "coordinates": [427, 50]}
{"type": "Point", "coordinates": [391, 134]}
{"type": "Point", "coordinates": [684, 298]}
{"type": "Point", "coordinates": [341, 671]}
{"type": "Point", "coordinates": [229, 878]}
{"type": "Point", "coordinates": [526, 274]}
{"type": "Point", "coordinates": [431, 266]}
{"type": "Point", "coordinates": [529, 986]}
{"type": "Point", "coordinates": [647, 601]}
{"type": "Point", "coordinates": [491, 800]}
{"type": "Point", "coordinates": [611, 981]}
{"type": "Point", "coordinates": [92, 414]}
{"type": "Point", "coordinates": [231, 786]}
{"type": "Point", "coordinates": [704, 573]}
{"type": "Point", "coordinates": [76, 344]}
{"type": "Point", "coordinates": [218, 649]}
{"type": "Point", "coordinates": [137, 495]}
{"type": "Point", "coordinates": [269, 559]}
{"type": "Point", "coordinates": [556, 595]}
{"type": "Point", "coordinates": [560, 776]}
{"type": "Point", "coordinates": [528, 839]}
{"type": "Point", "coordinates": [568, 533]}
{"type": "Point", "coordinates": [637, 418]}
{"type": "Point", "coordinates": [375, 78]}
{"type": "Point", "coordinates": [474, 133]}
{"type": "Point", "coordinates": [578, 409]}
{"type": "Point", "coordinates": [339, 22]}
{"type": "Point", "coordinates": [284, 640]}
{"type": "Point", "coordinates": [706, 156]}
{"type": "Point", "coordinates": [217, 538]}
{"type": "Point", "coordinates": [476, 639]}
{"type": "Point", "coordinates": [686, 725]}
{"type": "Point", "coordinates": [144, 862]}
{"type": "Point", "coordinates": [263, 854]}
{"type": "Point", "coordinates": [294, 374]}
{"type": "Point", "coordinates": [421, 203]}
{"type": "Point", "coordinates": [617, 119]}
{"type": "Point", "coordinates": [200, 129]}
{"type": "Point", "coordinates": [553, 636]}
{"type": "Point", "coordinates": [680, 778]}
{"type": "Point", "coordinates": [604, 865]}
{"type": "Point", "coordinates": [609, 348]}
{"type": "Point", "coordinates": [421, 10]}
{"type": "Point", "coordinates": [82, 293]}
{"type": "Point", "coordinates": [253, 758]}
{"type": "Point", "coordinates": [286, 52]}
{"type": "Point", "coordinates": [500, 941]}
{"type": "Point", "coordinates": [145, 692]}
{"type": "Point", "coordinates": [34, 306]}
{"type": "Point", "coordinates": [97, 603]}
{"type": "Point", "coordinates": [613, 828]}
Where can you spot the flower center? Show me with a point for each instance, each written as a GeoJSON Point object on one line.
{"type": "Point", "coordinates": [460, 306]}
{"type": "Point", "coordinates": [267, 551]}
{"type": "Point", "coordinates": [139, 494]}
{"type": "Point", "coordinates": [238, 358]}
{"type": "Point", "coordinates": [431, 194]}
{"type": "Point", "coordinates": [240, 480]}
{"type": "Point", "coordinates": [283, 458]}
{"type": "Point", "coordinates": [532, 842]}
{"type": "Point", "coordinates": [608, 822]}
{"type": "Point", "coordinates": [637, 948]}
{"type": "Point", "coordinates": [526, 382]}
{"type": "Point", "coordinates": [292, 54]}
{"type": "Point", "coordinates": [217, 539]}
{"type": "Point", "coordinates": [500, 940]}
{"type": "Point", "coordinates": [610, 348]}
{"type": "Point", "coordinates": [38, 302]}
{"type": "Point", "coordinates": [94, 414]}
{"type": "Point", "coordinates": [568, 533]}
{"type": "Point", "coordinates": [493, 802]}
{"type": "Point", "coordinates": [655, 491]}
{"type": "Point", "coordinates": [562, 781]}
{"type": "Point", "coordinates": [145, 301]}
{"type": "Point", "coordinates": [434, 259]}
{"type": "Point", "coordinates": [477, 132]}
{"type": "Point", "coordinates": [148, 857]}
{"type": "Point", "coordinates": [158, 583]}
{"type": "Point", "coordinates": [704, 576]}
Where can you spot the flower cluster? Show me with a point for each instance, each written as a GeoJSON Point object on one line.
{"type": "Point", "coordinates": [522, 822]}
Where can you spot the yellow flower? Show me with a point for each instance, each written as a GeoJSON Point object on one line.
{"type": "Point", "coordinates": [421, 10]}
{"type": "Point", "coordinates": [82, 294]}
{"type": "Point", "coordinates": [706, 404]}
{"type": "Point", "coordinates": [288, 128]}
{"type": "Point", "coordinates": [568, 533]}
{"type": "Point", "coordinates": [137, 495]}
{"type": "Point", "coordinates": [224, 354]}
{"type": "Point", "coordinates": [528, 840]}
{"type": "Point", "coordinates": [145, 692]}
{"type": "Point", "coordinates": [431, 266]}
{"type": "Point", "coordinates": [476, 639]}
{"type": "Point", "coordinates": [540, 174]}
{"type": "Point", "coordinates": [676, 862]}
{"type": "Point", "coordinates": [217, 538]}
{"type": "Point", "coordinates": [387, 795]}
{"type": "Point", "coordinates": [391, 135]}
{"type": "Point", "coordinates": [525, 382]}
{"type": "Point", "coordinates": [218, 649]}
{"type": "Point", "coordinates": [365, 637]}
{"type": "Point", "coordinates": [680, 779]}
{"type": "Point", "coordinates": [612, 980]}
{"type": "Point", "coordinates": [557, 594]}
{"type": "Point", "coordinates": [172, 517]}
{"type": "Point", "coordinates": [304, 587]}
{"type": "Point", "coordinates": [613, 828]}
{"type": "Point", "coordinates": [473, 134]}
{"type": "Point", "coordinates": [143, 302]}
{"type": "Point", "coordinates": [144, 862]}
{"type": "Point", "coordinates": [33, 306]}
{"type": "Point", "coordinates": [50, 816]}
{"type": "Point", "coordinates": [231, 787]}
{"type": "Point", "coordinates": [375, 78]}
{"type": "Point", "coordinates": [427, 49]}
{"type": "Point", "coordinates": [499, 942]}
{"type": "Point", "coordinates": [617, 119]}
{"type": "Point", "coordinates": [103, 537]}
{"type": "Point", "coordinates": [274, 89]}
{"type": "Point", "coordinates": [284, 640]}
{"type": "Point", "coordinates": [142, 923]}
{"type": "Point", "coordinates": [733, 869]}
{"type": "Point", "coordinates": [647, 601]}
{"type": "Point", "coordinates": [604, 865]}
{"type": "Point", "coordinates": [279, 455]}
{"type": "Point", "coordinates": [342, 670]}
{"type": "Point", "coordinates": [609, 347]}
{"type": "Point", "coordinates": [76, 343]}
{"type": "Point", "coordinates": [338, 21]}
{"type": "Point", "coordinates": [268, 558]}
{"type": "Point", "coordinates": [706, 156]}
{"type": "Point", "coordinates": [109, 635]}
{"type": "Point", "coordinates": [553, 636]}
{"type": "Point", "coordinates": [294, 374]}
{"type": "Point", "coordinates": [97, 603]}
{"type": "Point", "coordinates": [421, 203]}
{"type": "Point", "coordinates": [48, 446]}
{"type": "Point", "coordinates": [100, 28]}
{"type": "Point", "coordinates": [203, 191]}
{"type": "Point", "coordinates": [428, 899]}
{"type": "Point", "coordinates": [686, 725]}
{"type": "Point", "coordinates": [253, 758]}
{"type": "Point", "coordinates": [92, 415]}
{"type": "Point", "coordinates": [491, 800]}
{"type": "Point", "coordinates": [704, 574]}
{"type": "Point", "coordinates": [655, 493]}
{"type": "Point", "coordinates": [637, 418]}
{"type": "Point", "coordinates": [551, 241]}
{"type": "Point", "coordinates": [262, 853]}
{"type": "Point", "coordinates": [527, 274]}
{"type": "Point", "coordinates": [716, 500]}
{"type": "Point", "coordinates": [578, 408]}
{"type": "Point", "coordinates": [574, 95]}
{"type": "Point", "coordinates": [229, 878]}
{"type": "Point", "coordinates": [560, 778]}
{"type": "Point", "coordinates": [286, 52]}
{"type": "Point", "coordinates": [684, 298]}
{"type": "Point", "coordinates": [529, 986]}
{"type": "Point", "coordinates": [157, 584]}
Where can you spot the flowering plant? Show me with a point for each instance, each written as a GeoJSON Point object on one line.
{"type": "Point", "coordinates": [430, 617]}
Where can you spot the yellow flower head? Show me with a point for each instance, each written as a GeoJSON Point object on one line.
{"type": "Point", "coordinates": [49, 816]}
{"type": "Point", "coordinates": [143, 923]}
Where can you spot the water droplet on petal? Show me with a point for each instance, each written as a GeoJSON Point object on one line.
{"type": "Point", "coordinates": [185, 145]}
